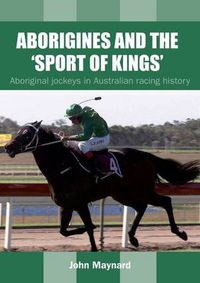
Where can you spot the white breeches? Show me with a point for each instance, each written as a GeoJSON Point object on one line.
{"type": "Point", "coordinates": [93, 144]}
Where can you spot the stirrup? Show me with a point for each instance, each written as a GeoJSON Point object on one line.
{"type": "Point", "coordinates": [98, 178]}
{"type": "Point", "coordinates": [107, 175]}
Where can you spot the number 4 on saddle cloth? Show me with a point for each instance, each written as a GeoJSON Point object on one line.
{"type": "Point", "coordinates": [105, 164]}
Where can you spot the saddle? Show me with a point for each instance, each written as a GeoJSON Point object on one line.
{"type": "Point", "coordinates": [103, 162]}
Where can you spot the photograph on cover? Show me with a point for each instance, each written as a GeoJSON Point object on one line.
{"type": "Point", "coordinates": [61, 138]}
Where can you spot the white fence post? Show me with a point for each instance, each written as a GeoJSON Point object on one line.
{"type": "Point", "coordinates": [125, 228]}
{"type": "Point", "coordinates": [8, 225]}
{"type": "Point", "coordinates": [1, 214]}
{"type": "Point", "coordinates": [102, 203]}
{"type": "Point", "coordinates": [199, 212]}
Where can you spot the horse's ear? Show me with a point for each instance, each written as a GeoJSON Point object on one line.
{"type": "Point", "coordinates": [38, 124]}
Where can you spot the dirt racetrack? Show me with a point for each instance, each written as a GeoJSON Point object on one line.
{"type": "Point", "coordinates": [151, 238]}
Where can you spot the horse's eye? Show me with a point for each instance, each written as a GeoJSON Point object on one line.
{"type": "Point", "coordinates": [25, 132]}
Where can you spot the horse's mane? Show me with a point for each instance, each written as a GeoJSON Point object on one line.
{"type": "Point", "coordinates": [48, 132]}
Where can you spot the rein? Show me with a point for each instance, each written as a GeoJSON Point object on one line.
{"type": "Point", "coordinates": [79, 163]}
{"type": "Point", "coordinates": [41, 145]}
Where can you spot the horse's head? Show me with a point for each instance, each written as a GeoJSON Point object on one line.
{"type": "Point", "coordinates": [26, 138]}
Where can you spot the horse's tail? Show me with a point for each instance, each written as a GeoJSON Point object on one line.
{"type": "Point", "coordinates": [175, 172]}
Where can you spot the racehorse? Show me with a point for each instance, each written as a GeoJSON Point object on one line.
{"type": "Point", "coordinates": [72, 186]}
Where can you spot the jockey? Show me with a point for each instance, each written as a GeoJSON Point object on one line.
{"type": "Point", "coordinates": [95, 135]}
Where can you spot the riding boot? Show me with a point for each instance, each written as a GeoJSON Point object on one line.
{"type": "Point", "coordinates": [92, 163]}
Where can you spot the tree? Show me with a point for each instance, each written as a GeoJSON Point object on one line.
{"type": "Point", "coordinates": [182, 134]}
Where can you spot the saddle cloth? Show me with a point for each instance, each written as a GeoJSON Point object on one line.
{"type": "Point", "coordinates": [106, 162]}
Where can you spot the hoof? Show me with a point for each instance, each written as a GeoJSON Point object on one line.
{"type": "Point", "coordinates": [183, 235]}
{"type": "Point", "coordinates": [180, 234]}
{"type": "Point", "coordinates": [64, 233]}
{"type": "Point", "coordinates": [134, 241]}
{"type": "Point", "coordinates": [94, 250]}
{"type": "Point", "coordinates": [80, 230]}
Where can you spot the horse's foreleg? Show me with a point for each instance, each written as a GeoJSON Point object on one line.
{"type": "Point", "coordinates": [86, 218]}
{"type": "Point", "coordinates": [140, 212]}
{"type": "Point", "coordinates": [165, 202]}
{"type": "Point", "coordinates": [65, 218]}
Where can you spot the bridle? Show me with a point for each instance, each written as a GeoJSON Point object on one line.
{"type": "Point", "coordinates": [35, 139]}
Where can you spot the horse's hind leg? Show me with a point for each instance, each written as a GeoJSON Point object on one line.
{"type": "Point", "coordinates": [165, 202]}
{"type": "Point", "coordinates": [65, 218]}
{"type": "Point", "coordinates": [140, 208]}
{"type": "Point", "coordinates": [86, 218]}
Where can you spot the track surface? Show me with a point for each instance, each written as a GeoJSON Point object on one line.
{"type": "Point", "coordinates": [150, 238]}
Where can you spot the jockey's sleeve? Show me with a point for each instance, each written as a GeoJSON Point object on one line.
{"type": "Point", "coordinates": [87, 131]}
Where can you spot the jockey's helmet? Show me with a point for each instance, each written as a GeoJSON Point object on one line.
{"type": "Point", "coordinates": [73, 111]}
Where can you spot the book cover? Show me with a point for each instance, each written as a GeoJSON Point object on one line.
{"type": "Point", "coordinates": [142, 59]}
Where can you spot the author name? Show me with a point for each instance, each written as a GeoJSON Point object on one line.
{"type": "Point", "coordinates": [100, 265]}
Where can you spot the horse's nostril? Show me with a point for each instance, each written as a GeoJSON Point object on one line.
{"type": "Point", "coordinates": [10, 150]}
{"type": "Point", "coordinates": [7, 146]}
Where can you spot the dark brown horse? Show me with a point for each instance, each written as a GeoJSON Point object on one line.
{"type": "Point", "coordinates": [72, 187]}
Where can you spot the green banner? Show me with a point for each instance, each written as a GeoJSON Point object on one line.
{"type": "Point", "coordinates": [21, 267]}
{"type": "Point", "coordinates": [95, 10]}
{"type": "Point", "coordinates": [112, 267]}
{"type": "Point", "coordinates": [178, 267]}
{"type": "Point", "coordinates": [98, 267]}
{"type": "Point", "coordinates": [153, 55]}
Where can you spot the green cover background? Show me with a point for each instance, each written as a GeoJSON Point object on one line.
{"type": "Point", "coordinates": [21, 267]}
{"type": "Point", "coordinates": [183, 62]}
